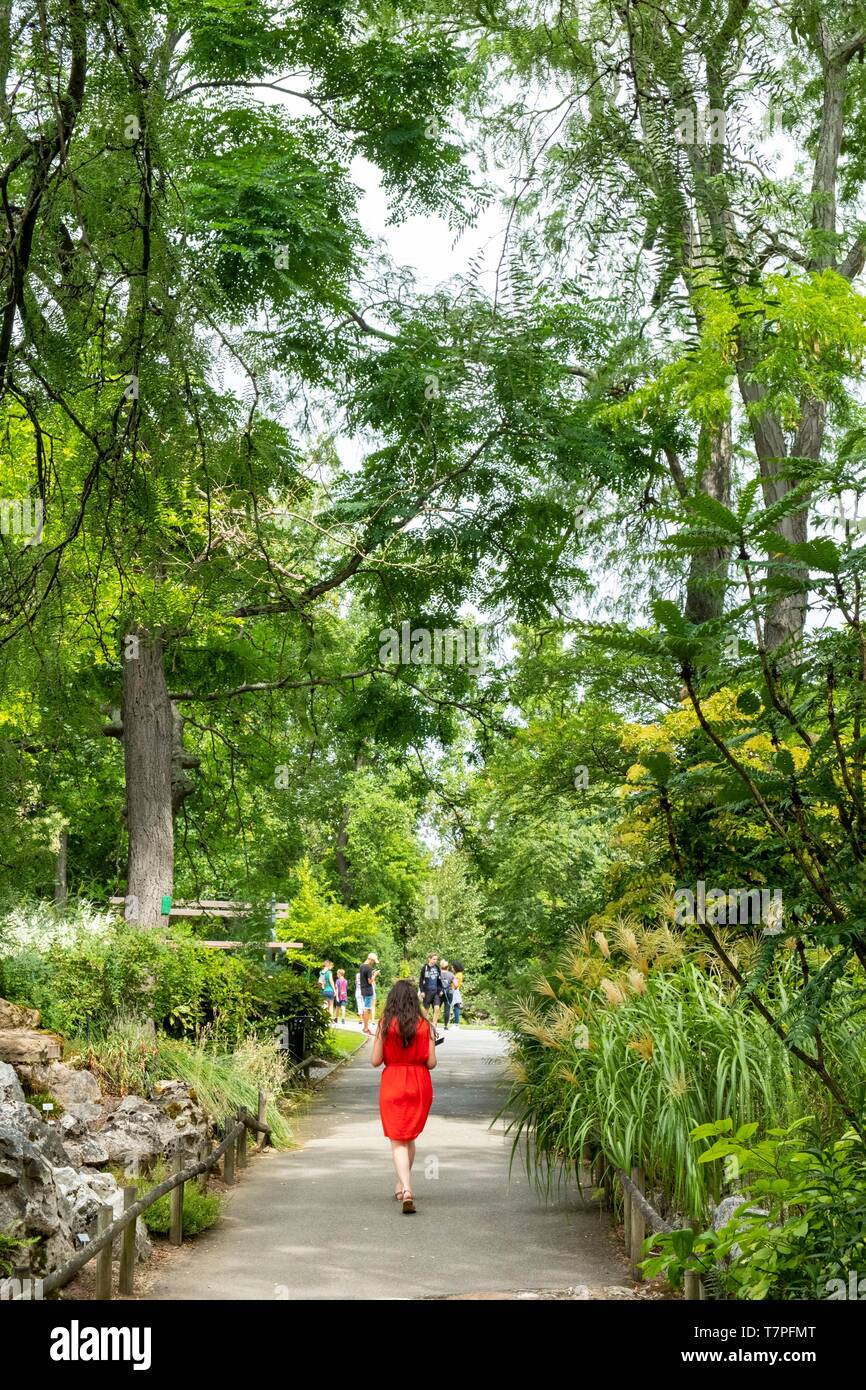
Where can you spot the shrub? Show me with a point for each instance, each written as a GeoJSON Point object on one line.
{"type": "Point", "coordinates": [634, 1040]}
{"type": "Point", "coordinates": [40, 1098]}
{"type": "Point", "coordinates": [802, 1230]}
{"type": "Point", "coordinates": [83, 978]}
{"type": "Point", "coordinates": [331, 931]}
{"type": "Point", "coordinates": [284, 997]}
{"type": "Point", "coordinates": [200, 1209]}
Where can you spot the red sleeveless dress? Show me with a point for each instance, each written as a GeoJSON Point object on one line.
{"type": "Point", "coordinates": [406, 1091]}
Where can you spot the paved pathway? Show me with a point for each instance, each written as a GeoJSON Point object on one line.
{"type": "Point", "coordinates": [320, 1222]}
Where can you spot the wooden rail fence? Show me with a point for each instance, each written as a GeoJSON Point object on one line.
{"type": "Point", "coordinates": [233, 1151]}
{"type": "Point", "coordinates": [639, 1216]}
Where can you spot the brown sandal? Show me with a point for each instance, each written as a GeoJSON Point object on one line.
{"type": "Point", "coordinates": [409, 1207]}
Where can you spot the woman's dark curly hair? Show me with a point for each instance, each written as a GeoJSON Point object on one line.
{"type": "Point", "coordinates": [402, 1005]}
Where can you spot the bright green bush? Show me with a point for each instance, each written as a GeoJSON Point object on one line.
{"type": "Point", "coordinates": [84, 979]}
{"type": "Point", "coordinates": [200, 1209]}
{"type": "Point", "coordinates": [802, 1231]}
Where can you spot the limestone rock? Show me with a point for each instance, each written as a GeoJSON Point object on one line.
{"type": "Point", "coordinates": [31, 1203]}
{"type": "Point", "coordinates": [75, 1088]}
{"type": "Point", "coordinates": [17, 1015]}
{"type": "Point", "coordinates": [25, 1047]}
{"type": "Point", "coordinates": [727, 1209]}
{"type": "Point", "coordinates": [182, 1119]}
{"type": "Point", "coordinates": [87, 1152]}
{"type": "Point", "coordinates": [71, 1126]}
{"type": "Point", "coordinates": [131, 1135]}
{"type": "Point", "coordinates": [84, 1193]}
{"type": "Point", "coordinates": [140, 1132]}
{"type": "Point", "coordinates": [10, 1087]}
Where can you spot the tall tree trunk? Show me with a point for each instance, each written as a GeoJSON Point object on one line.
{"type": "Point", "coordinates": [347, 892]}
{"type": "Point", "coordinates": [705, 593]}
{"type": "Point", "coordinates": [148, 740]}
{"type": "Point", "coordinates": [341, 843]}
{"type": "Point", "coordinates": [60, 870]}
{"type": "Point", "coordinates": [785, 618]}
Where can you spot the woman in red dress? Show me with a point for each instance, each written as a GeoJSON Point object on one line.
{"type": "Point", "coordinates": [406, 1043]}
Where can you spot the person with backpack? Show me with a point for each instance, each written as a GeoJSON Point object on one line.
{"type": "Point", "coordinates": [326, 985]}
{"type": "Point", "coordinates": [430, 986]}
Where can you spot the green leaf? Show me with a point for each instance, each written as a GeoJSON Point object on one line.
{"type": "Point", "coordinates": [819, 554]}
{"type": "Point", "coordinates": [749, 702]}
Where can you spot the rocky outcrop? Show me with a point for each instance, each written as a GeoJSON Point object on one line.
{"type": "Point", "coordinates": [85, 1150]}
{"type": "Point", "coordinates": [17, 1016]}
{"type": "Point", "coordinates": [31, 1205]}
{"type": "Point", "coordinates": [140, 1132]}
{"type": "Point", "coordinates": [50, 1189]}
{"type": "Point", "coordinates": [77, 1090]}
{"type": "Point", "coordinates": [85, 1192]}
{"type": "Point", "coordinates": [26, 1047]}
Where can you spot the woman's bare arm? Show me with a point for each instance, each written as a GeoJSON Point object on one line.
{"type": "Point", "coordinates": [431, 1055]}
{"type": "Point", "coordinates": [378, 1056]}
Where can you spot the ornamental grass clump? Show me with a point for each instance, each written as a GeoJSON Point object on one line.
{"type": "Point", "coordinates": [633, 1041]}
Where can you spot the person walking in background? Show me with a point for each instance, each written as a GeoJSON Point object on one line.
{"type": "Point", "coordinates": [342, 995]}
{"type": "Point", "coordinates": [406, 1045]}
{"type": "Point", "coordinates": [457, 992]}
{"type": "Point", "coordinates": [430, 986]}
{"type": "Point", "coordinates": [368, 975]}
{"type": "Point", "coordinates": [326, 985]}
{"type": "Point", "coordinates": [359, 1003]}
{"type": "Point", "coordinates": [446, 975]}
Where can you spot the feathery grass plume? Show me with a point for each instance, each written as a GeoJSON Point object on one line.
{"type": "Point", "coordinates": [579, 967]}
{"type": "Point", "coordinates": [637, 981]}
{"type": "Point", "coordinates": [601, 941]}
{"type": "Point", "coordinates": [665, 905]}
{"type": "Point", "coordinates": [665, 947]}
{"type": "Point", "coordinates": [568, 1074]}
{"type": "Point", "coordinates": [527, 1018]}
{"type": "Point", "coordinates": [543, 986]}
{"type": "Point", "coordinates": [625, 939]}
{"type": "Point", "coordinates": [612, 992]}
{"type": "Point", "coordinates": [562, 1022]}
{"type": "Point", "coordinates": [643, 1046]}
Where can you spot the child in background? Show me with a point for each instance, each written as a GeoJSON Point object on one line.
{"type": "Point", "coordinates": [342, 996]}
{"type": "Point", "coordinates": [457, 993]}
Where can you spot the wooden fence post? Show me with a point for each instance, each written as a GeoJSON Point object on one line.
{"type": "Point", "coordinates": [176, 1233]}
{"type": "Point", "coordinates": [260, 1116]}
{"type": "Point", "coordinates": [242, 1139]}
{"type": "Point", "coordinates": [693, 1284]}
{"type": "Point", "coordinates": [104, 1218]}
{"type": "Point", "coordinates": [229, 1155]}
{"type": "Point", "coordinates": [638, 1224]}
{"type": "Point", "coordinates": [126, 1272]}
{"type": "Point", "coordinates": [626, 1217]}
